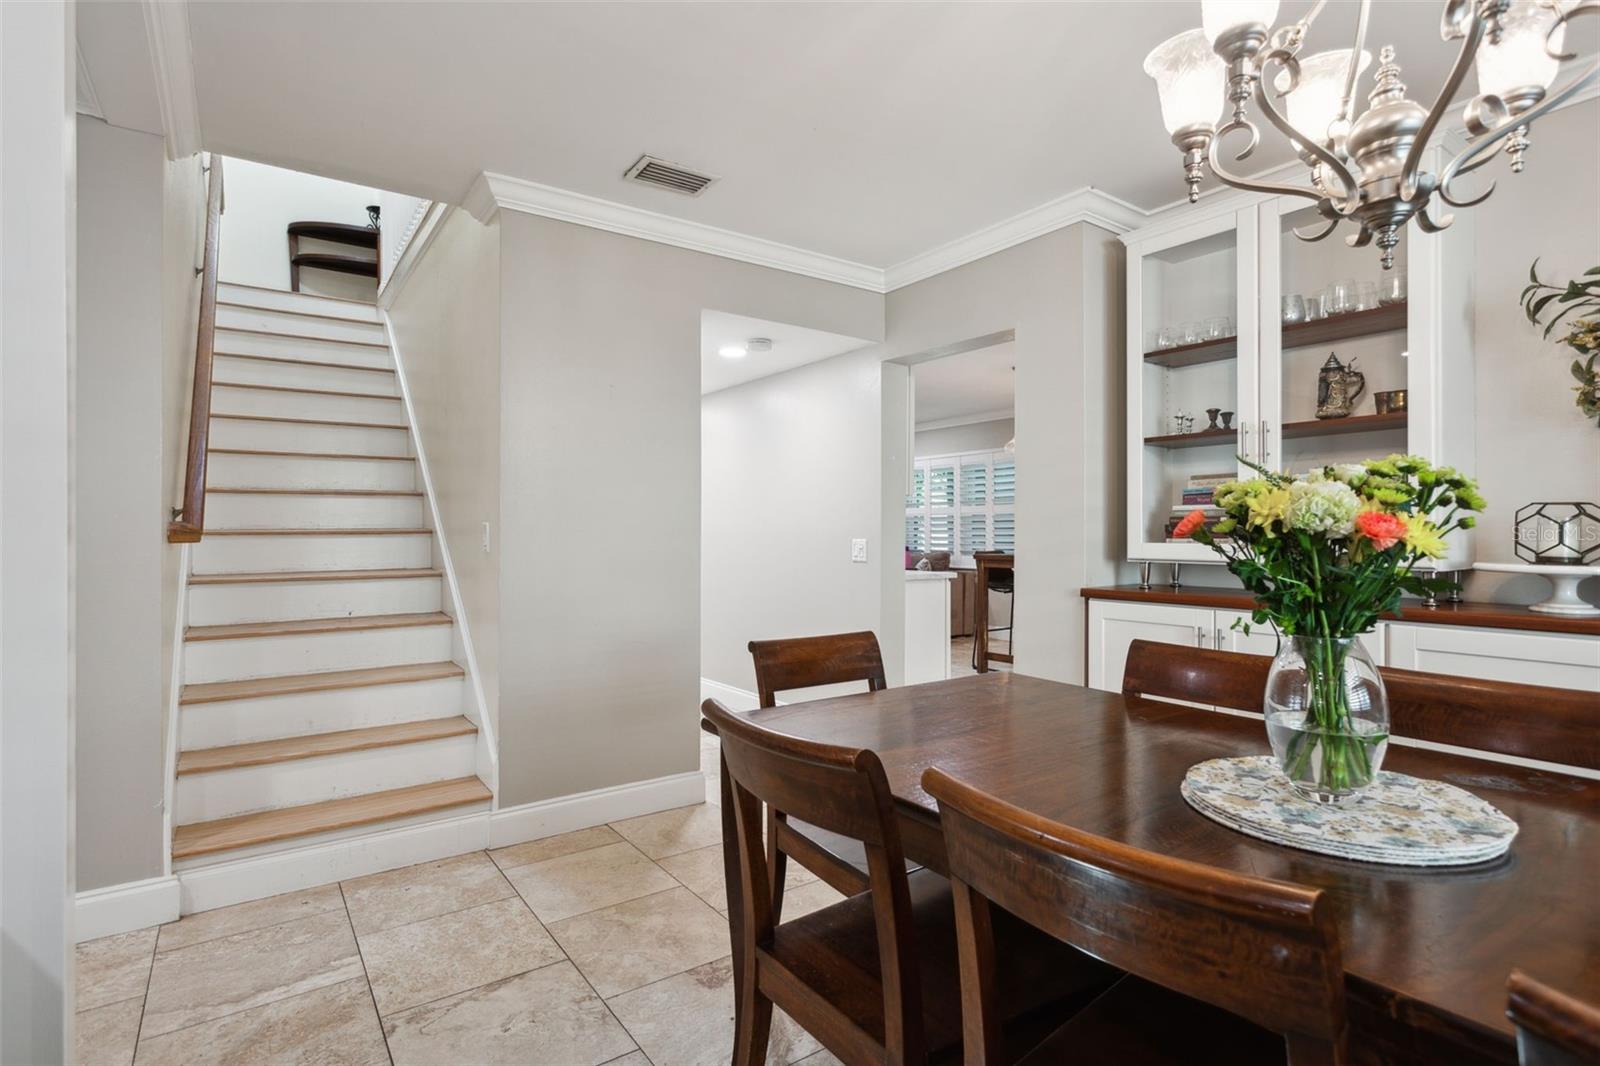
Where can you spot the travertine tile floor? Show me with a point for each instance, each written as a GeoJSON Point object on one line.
{"type": "Point", "coordinates": [608, 945]}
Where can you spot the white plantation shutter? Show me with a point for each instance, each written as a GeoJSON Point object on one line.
{"type": "Point", "coordinates": [953, 503]}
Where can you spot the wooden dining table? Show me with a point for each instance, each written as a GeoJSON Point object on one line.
{"type": "Point", "coordinates": [1426, 951]}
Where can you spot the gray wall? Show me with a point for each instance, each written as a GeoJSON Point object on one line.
{"type": "Point", "coordinates": [789, 474]}
{"type": "Point", "coordinates": [600, 501]}
{"type": "Point", "coordinates": [446, 324]}
{"type": "Point", "coordinates": [1062, 294]}
{"type": "Point", "coordinates": [973, 437]}
{"type": "Point", "coordinates": [118, 480]}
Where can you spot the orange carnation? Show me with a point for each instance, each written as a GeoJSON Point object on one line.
{"type": "Point", "coordinates": [1194, 520]}
{"type": "Point", "coordinates": [1383, 529]}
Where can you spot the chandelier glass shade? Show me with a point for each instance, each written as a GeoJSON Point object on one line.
{"type": "Point", "coordinates": [1364, 165]}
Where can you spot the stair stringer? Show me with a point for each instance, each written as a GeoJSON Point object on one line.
{"type": "Point", "coordinates": [477, 704]}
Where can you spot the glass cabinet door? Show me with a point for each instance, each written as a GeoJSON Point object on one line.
{"type": "Point", "coordinates": [1191, 374]}
{"type": "Point", "coordinates": [1334, 354]}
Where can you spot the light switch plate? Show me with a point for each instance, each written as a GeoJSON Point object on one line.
{"type": "Point", "coordinates": [486, 538]}
{"type": "Point", "coordinates": [858, 550]}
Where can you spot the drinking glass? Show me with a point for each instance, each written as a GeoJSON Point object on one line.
{"type": "Point", "coordinates": [1314, 309]}
{"type": "Point", "coordinates": [1294, 309]}
{"type": "Point", "coordinates": [1393, 290]}
{"type": "Point", "coordinates": [1166, 337]}
{"type": "Point", "coordinates": [1340, 297]}
{"type": "Point", "coordinates": [1366, 296]}
{"type": "Point", "coordinates": [1216, 328]}
{"type": "Point", "coordinates": [1189, 333]}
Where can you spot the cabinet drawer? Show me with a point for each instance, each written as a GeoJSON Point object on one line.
{"type": "Point", "coordinates": [1497, 655]}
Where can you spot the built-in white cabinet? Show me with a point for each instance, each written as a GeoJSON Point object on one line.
{"type": "Point", "coordinates": [1527, 657]}
{"type": "Point", "coordinates": [1225, 314]}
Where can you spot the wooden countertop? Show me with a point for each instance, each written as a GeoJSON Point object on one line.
{"type": "Point", "coordinates": [1487, 615]}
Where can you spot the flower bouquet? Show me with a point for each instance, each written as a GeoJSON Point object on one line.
{"type": "Point", "coordinates": [1325, 555]}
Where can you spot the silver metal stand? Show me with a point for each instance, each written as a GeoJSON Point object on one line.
{"type": "Point", "coordinates": [1175, 582]}
{"type": "Point", "coordinates": [1144, 577]}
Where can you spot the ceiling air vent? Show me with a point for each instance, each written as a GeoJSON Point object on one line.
{"type": "Point", "coordinates": [665, 175]}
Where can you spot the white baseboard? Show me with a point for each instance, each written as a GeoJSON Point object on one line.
{"type": "Point", "coordinates": [123, 908]}
{"type": "Point", "coordinates": [735, 699]}
{"type": "Point", "coordinates": [531, 821]}
{"type": "Point", "coordinates": [208, 887]}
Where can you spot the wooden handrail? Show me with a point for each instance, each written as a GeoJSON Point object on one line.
{"type": "Point", "coordinates": [189, 524]}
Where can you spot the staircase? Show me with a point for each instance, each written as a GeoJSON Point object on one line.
{"type": "Point", "coordinates": [320, 692]}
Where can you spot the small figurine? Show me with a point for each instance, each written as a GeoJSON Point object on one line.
{"type": "Point", "coordinates": [1212, 413]}
{"type": "Point", "coordinates": [1227, 420]}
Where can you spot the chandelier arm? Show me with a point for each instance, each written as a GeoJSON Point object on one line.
{"type": "Point", "coordinates": [1428, 225]}
{"type": "Point", "coordinates": [1227, 177]}
{"type": "Point", "coordinates": [1478, 152]}
{"type": "Point", "coordinates": [1353, 71]}
{"type": "Point", "coordinates": [1311, 238]}
{"type": "Point", "coordinates": [1350, 196]}
{"type": "Point", "coordinates": [1441, 105]}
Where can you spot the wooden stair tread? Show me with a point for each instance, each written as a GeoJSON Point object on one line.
{"type": "Point", "coordinates": [285, 360]}
{"type": "Point", "coordinates": [346, 624]}
{"type": "Point", "coordinates": [313, 421]}
{"type": "Point", "coordinates": [336, 233]}
{"type": "Point", "coordinates": [344, 264]}
{"type": "Point", "coordinates": [311, 455]}
{"type": "Point", "coordinates": [303, 336]}
{"type": "Point", "coordinates": [278, 577]}
{"type": "Point", "coordinates": [286, 749]}
{"type": "Point", "coordinates": [327, 681]}
{"type": "Point", "coordinates": [301, 389]}
{"type": "Point", "coordinates": [264, 827]}
{"type": "Point", "coordinates": [314, 532]}
{"type": "Point", "coordinates": [312, 492]}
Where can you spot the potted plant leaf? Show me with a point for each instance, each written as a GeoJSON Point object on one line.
{"type": "Point", "coordinates": [1579, 303]}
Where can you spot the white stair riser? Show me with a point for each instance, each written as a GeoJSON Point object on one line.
{"type": "Point", "coordinates": [294, 301]}
{"type": "Point", "coordinates": [310, 653]}
{"type": "Point", "coordinates": [231, 510]}
{"type": "Point", "coordinates": [202, 797]}
{"type": "Point", "coordinates": [303, 325]}
{"type": "Point", "coordinates": [291, 472]}
{"type": "Point", "coordinates": [226, 401]}
{"type": "Point", "coordinates": [222, 605]}
{"type": "Point", "coordinates": [305, 376]}
{"type": "Point", "coordinates": [300, 437]}
{"type": "Point", "coordinates": [213, 725]}
{"type": "Point", "coordinates": [244, 342]}
{"type": "Point", "coordinates": [229, 555]}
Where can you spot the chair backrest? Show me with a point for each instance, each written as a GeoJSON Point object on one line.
{"type": "Point", "coordinates": [843, 790]}
{"type": "Point", "coordinates": [1553, 1028]}
{"type": "Point", "coordinates": [1528, 721]}
{"type": "Point", "coordinates": [1172, 671]}
{"type": "Point", "coordinates": [805, 662]}
{"type": "Point", "coordinates": [1267, 951]}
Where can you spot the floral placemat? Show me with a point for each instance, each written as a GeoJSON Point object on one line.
{"type": "Point", "coordinates": [1398, 819]}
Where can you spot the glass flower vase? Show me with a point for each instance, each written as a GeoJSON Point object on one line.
{"type": "Point", "coordinates": [1327, 716]}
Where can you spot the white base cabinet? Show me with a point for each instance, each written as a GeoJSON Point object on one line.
{"type": "Point", "coordinates": [1530, 658]}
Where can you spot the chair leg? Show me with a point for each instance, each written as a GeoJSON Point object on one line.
{"type": "Point", "coordinates": [777, 866]}
{"type": "Point", "coordinates": [753, 1022]}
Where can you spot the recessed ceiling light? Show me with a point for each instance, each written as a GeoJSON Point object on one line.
{"type": "Point", "coordinates": [758, 344]}
{"type": "Point", "coordinates": [731, 351]}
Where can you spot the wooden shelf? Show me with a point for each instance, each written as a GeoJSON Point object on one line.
{"type": "Point", "coordinates": [1386, 319]}
{"type": "Point", "coordinates": [1316, 427]}
{"type": "Point", "coordinates": [1197, 439]}
{"type": "Point", "coordinates": [1331, 427]}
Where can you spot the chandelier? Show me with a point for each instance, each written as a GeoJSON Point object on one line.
{"type": "Point", "coordinates": [1365, 168]}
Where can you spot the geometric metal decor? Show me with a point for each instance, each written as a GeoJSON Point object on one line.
{"type": "Point", "coordinates": [1562, 534]}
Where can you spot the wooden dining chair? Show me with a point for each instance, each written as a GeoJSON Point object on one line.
{"type": "Point", "coordinates": [1221, 967]}
{"type": "Point", "coordinates": [1553, 1028]}
{"type": "Point", "coordinates": [1554, 725]}
{"type": "Point", "coordinates": [807, 662]}
{"type": "Point", "coordinates": [875, 977]}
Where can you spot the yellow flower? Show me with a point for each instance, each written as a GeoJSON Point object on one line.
{"type": "Point", "coordinates": [1423, 537]}
{"type": "Point", "coordinates": [1268, 507]}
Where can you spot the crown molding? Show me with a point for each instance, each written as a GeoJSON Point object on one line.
{"type": "Point", "coordinates": [418, 239]}
{"type": "Point", "coordinates": [974, 419]}
{"type": "Point", "coordinates": [88, 101]}
{"type": "Point", "coordinates": [1084, 205]}
{"type": "Point", "coordinates": [166, 24]}
{"type": "Point", "coordinates": [495, 192]}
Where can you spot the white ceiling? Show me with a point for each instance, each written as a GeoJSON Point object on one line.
{"type": "Point", "coordinates": [983, 382]}
{"type": "Point", "coordinates": [873, 132]}
{"type": "Point", "coordinates": [792, 346]}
